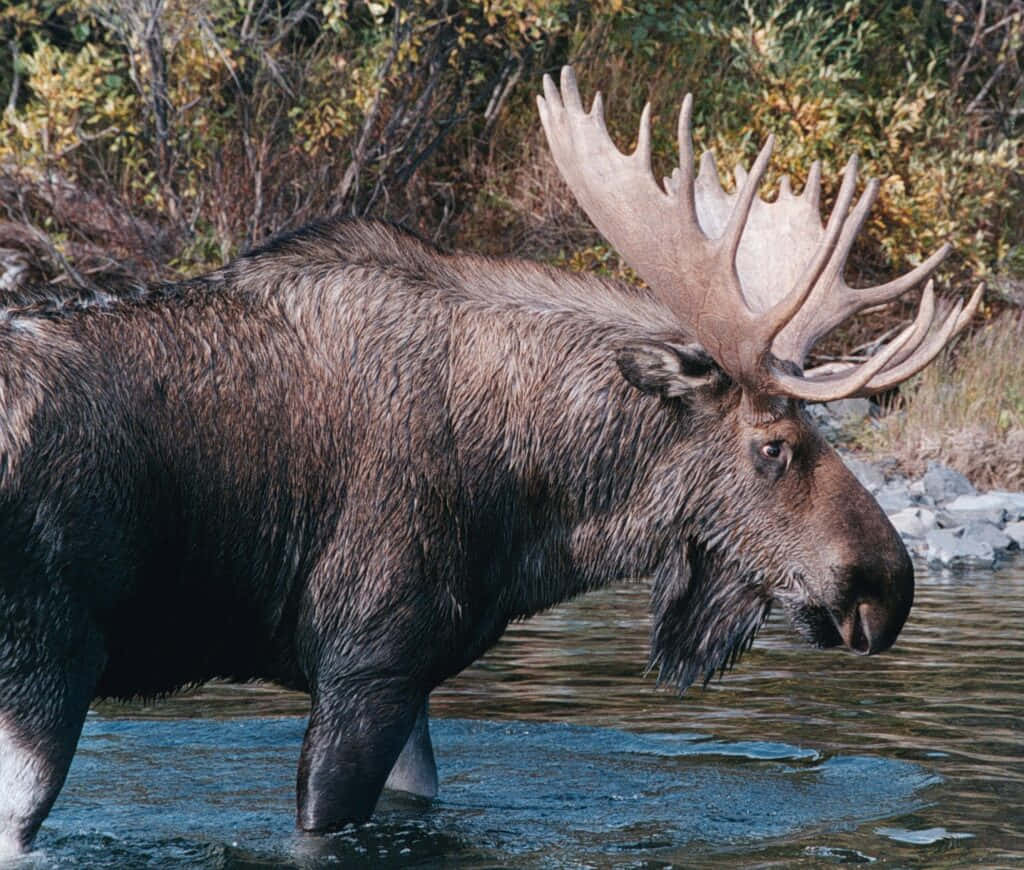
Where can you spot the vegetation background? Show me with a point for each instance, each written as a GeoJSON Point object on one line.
{"type": "Point", "coordinates": [146, 140]}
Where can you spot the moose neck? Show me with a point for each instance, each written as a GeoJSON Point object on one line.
{"type": "Point", "coordinates": [586, 465]}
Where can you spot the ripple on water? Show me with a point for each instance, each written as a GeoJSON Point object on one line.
{"type": "Point", "coordinates": [219, 792]}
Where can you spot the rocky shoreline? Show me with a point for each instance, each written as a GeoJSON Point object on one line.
{"type": "Point", "coordinates": [941, 517]}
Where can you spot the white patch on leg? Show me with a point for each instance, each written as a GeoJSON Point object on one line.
{"type": "Point", "coordinates": [22, 790]}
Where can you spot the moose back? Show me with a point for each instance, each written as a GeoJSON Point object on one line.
{"type": "Point", "coordinates": [346, 461]}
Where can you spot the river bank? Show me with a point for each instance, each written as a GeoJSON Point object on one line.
{"type": "Point", "coordinates": [941, 516]}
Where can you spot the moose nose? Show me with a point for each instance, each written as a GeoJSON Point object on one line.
{"type": "Point", "coordinates": [865, 629]}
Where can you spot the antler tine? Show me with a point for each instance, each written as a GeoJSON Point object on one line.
{"type": "Point", "coordinates": [570, 91]}
{"type": "Point", "coordinates": [865, 297]}
{"type": "Point", "coordinates": [730, 240]}
{"type": "Point", "coordinates": [642, 153]}
{"type": "Point", "coordinates": [683, 175]}
{"type": "Point", "coordinates": [852, 225]}
{"type": "Point", "coordinates": [786, 312]}
{"type": "Point", "coordinates": [849, 383]}
{"type": "Point", "coordinates": [941, 310]}
{"type": "Point", "coordinates": [895, 373]}
{"type": "Point", "coordinates": [812, 187]}
{"type": "Point", "coordinates": [655, 229]}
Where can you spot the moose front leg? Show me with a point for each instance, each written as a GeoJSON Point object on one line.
{"type": "Point", "coordinates": [32, 770]}
{"type": "Point", "coordinates": [356, 731]}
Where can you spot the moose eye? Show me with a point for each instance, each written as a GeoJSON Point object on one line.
{"type": "Point", "coordinates": [771, 458]}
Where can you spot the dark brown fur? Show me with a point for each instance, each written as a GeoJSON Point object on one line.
{"type": "Point", "coordinates": [345, 462]}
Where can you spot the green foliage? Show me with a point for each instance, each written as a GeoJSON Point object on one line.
{"type": "Point", "coordinates": [203, 127]}
{"type": "Point", "coordinates": [214, 124]}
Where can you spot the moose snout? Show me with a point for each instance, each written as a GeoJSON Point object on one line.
{"type": "Point", "coordinates": [864, 627]}
{"type": "Point", "coordinates": [873, 621]}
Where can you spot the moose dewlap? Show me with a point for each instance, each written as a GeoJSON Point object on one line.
{"type": "Point", "coordinates": [345, 461]}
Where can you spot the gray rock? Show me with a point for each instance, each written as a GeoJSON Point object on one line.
{"type": "Point", "coordinates": [988, 508]}
{"type": "Point", "coordinates": [1013, 503]}
{"type": "Point", "coordinates": [870, 477]}
{"type": "Point", "coordinates": [919, 495]}
{"type": "Point", "coordinates": [948, 546]}
{"type": "Point", "coordinates": [826, 422]}
{"type": "Point", "coordinates": [849, 411]}
{"type": "Point", "coordinates": [942, 483]}
{"type": "Point", "coordinates": [941, 516]}
{"type": "Point", "coordinates": [989, 534]}
{"type": "Point", "coordinates": [1015, 532]}
{"type": "Point", "coordinates": [894, 497]}
{"type": "Point", "coordinates": [913, 522]}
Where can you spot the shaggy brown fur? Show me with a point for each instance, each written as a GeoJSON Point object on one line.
{"type": "Point", "coordinates": [345, 462]}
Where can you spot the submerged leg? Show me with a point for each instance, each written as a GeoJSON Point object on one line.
{"type": "Point", "coordinates": [32, 772]}
{"type": "Point", "coordinates": [415, 771]}
{"type": "Point", "coordinates": [356, 732]}
{"type": "Point", "coordinates": [48, 671]}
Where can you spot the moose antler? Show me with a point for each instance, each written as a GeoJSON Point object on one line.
{"type": "Point", "coordinates": [756, 283]}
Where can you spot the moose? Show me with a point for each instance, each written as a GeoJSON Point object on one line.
{"type": "Point", "coordinates": [345, 461]}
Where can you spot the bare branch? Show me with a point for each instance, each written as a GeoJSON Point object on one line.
{"type": "Point", "coordinates": [12, 97]}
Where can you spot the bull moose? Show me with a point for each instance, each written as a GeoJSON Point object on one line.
{"type": "Point", "coordinates": [345, 461]}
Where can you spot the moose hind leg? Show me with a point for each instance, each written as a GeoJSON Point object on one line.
{"type": "Point", "coordinates": [415, 771]}
{"type": "Point", "coordinates": [47, 678]}
{"type": "Point", "coordinates": [27, 790]}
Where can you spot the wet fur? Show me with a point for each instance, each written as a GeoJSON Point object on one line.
{"type": "Point", "coordinates": [198, 378]}
{"type": "Point", "coordinates": [345, 462]}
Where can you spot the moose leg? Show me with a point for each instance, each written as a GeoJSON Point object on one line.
{"type": "Point", "coordinates": [32, 771]}
{"type": "Point", "coordinates": [355, 734]}
{"type": "Point", "coordinates": [415, 771]}
{"type": "Point", "coordinates": [48, 671]}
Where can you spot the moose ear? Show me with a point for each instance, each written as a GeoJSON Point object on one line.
{"type": "Point", "coordinates": [667, 369]}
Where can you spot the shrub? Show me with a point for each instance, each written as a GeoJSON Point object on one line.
{"type": "Point", "coordinates": [215, 124]}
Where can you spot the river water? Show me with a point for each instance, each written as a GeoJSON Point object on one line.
{"type": "Point", "coordinates": [556, 751]}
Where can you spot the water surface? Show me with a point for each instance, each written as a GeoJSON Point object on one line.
{"type": "Point", "coordinates": [556, 751]}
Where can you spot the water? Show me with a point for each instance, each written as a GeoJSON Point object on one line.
{"type": "Point", "coordinates": [556, 751]}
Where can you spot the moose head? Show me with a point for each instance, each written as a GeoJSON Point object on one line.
{"type": "Point", "coordinates": [754, 285]}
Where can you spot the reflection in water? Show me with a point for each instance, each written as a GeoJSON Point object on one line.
{"type": "Point", "coordinates": [798, 757]}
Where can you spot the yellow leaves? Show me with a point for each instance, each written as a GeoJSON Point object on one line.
{"type": "Point", "coordinates": [828, 78]}
{"type": "Point", "coordinates": [763, 41]}
{"type": "Point", "coordinates": [320, 127]}
{"type": "Point", "coordinates": [28, 15]}
{"type": "Point", "coordinates": [75, 96]}
{"type": "Point", "coordinates": [334, 14]}
{"type": "Point", "coordinates": [601, 259]}
{"type": "Point", "coordinates": [378, 9]}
